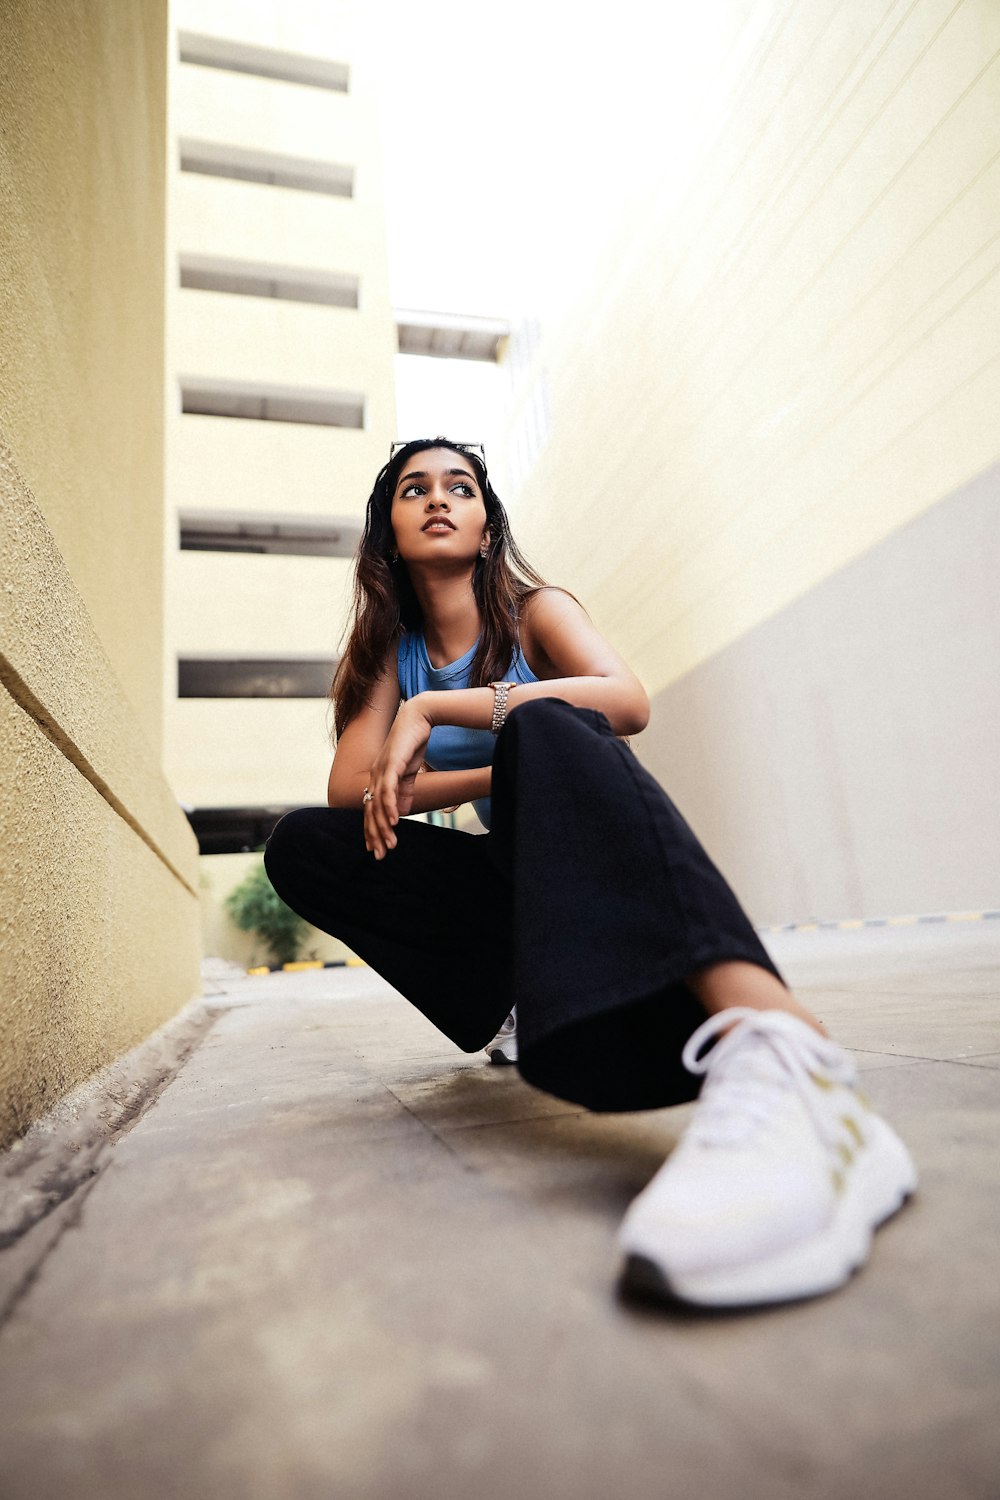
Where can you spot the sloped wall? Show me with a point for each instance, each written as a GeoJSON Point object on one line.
{"type": "Point", "coordinates": [99, 937]}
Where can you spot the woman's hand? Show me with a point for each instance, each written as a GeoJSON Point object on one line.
{"type": "Point", "coordinates": [393, 773]}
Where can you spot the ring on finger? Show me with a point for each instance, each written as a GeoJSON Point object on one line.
{"type": "Point", "coordinates": [367, 796]}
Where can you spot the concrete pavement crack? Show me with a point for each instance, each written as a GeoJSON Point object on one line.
{"type": "Point", "coordinates": [24, 1278]}
{"type": "Point", "coordinates": [70, 1146]}
{"type": "Point", "coordinates": [456, 1156]}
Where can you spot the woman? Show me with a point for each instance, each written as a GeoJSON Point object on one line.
{"type": "Point", "coordinates": [590, 903]}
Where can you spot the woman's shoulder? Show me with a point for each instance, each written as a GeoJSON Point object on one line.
{"type": "Point", "coordinates": [550, 617]}
{"type": "Point", "coordinates": [549, 605]}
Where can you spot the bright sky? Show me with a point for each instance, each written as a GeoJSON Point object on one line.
{"type": "Point", "coordinates": [512, 136]}
{"type": "Point", "coordinates": [484, 136]}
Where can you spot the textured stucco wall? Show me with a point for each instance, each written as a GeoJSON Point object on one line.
{"type": "Point", "coordinates": [82, 156]}
{"type": "Point", "coordinates": [99, 927]}
{"type": "Point", "coordinates": [99, 941]}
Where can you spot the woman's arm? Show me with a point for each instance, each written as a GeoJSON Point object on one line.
{"type": "Point", "coordinates": [563, 647]}
{"type": "Point", "coordinates": [562, 642]}
{"type": "Point", "coordinates": [362, 740]}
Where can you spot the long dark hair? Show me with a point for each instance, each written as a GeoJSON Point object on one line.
{"type": "Point", "coordinates": [385, 603]}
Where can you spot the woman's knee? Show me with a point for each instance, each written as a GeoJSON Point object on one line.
{"type": "Point", "coordinates": [307, 833]}
{"type": "Point", "coordinates": [550, 718]}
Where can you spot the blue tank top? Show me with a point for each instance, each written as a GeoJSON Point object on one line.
{"type": "Point", "coordinates": [451, 748]}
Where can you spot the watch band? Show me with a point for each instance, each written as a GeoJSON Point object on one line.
{"type": "Point", "coordinates": [500, 693]}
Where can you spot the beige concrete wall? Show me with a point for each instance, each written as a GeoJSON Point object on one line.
{"type": "Point", "coordinates": [306, 597]}
{"type": "Point", "coordinates": [219, 335]}
{"type": "Point", "coordinates": [789, 350]}
{"type": "Point", "coordinates": [252, 752]}
{"type": "Point", "coordinates": [301, 229]}
{"type": "Point", "coordinates": [81, 209]}
{"type": "Point", "coordinates": [219, 464]}
{"type": "Point", "coordinates": [840, 759]}
{"type": "Point", "coordinates": [325, 27]}
{"type": "Point", "coordinates": [795, 355]}
{"type": "Point", "coordinates": [99, 939]}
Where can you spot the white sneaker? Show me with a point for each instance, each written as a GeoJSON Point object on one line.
{"type": "Point", "coordinates": [503, 1048]}
{"type": "Point", "coordinates": [780, 1179]}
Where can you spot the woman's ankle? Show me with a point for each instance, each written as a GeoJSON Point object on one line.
{"type": "Point", "coordinates": [722, 986]}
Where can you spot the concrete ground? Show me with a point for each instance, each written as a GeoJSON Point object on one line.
{"type": "Point", "coordinates": [335, 1258]}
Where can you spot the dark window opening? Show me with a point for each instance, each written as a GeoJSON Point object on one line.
{"type": "Point", "coordinates": [233, 830]}
{"type": "Point", "coordinates": [301, 536]}
{"type": "Point", "coordinates": [254, 676]}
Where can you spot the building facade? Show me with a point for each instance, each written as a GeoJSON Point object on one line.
{"type": "Point", "coordinates": [280, 410]}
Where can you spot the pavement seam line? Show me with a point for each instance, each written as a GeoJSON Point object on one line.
{"type": "Point", "coordinates": [559, 1114]}
{"type": "Point", "coordinates": [434, 1134]}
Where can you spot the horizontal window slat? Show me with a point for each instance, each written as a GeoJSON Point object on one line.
{"type": "Point", "coordinates": [307, 174]}
{"type": "Point", "coordinates": [271, 403]}
{"type": "Point", "coordinates": [249, 278]}
{"type": "Point", "coordinates": [263, 62]}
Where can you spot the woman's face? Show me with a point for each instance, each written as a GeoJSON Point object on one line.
{"type": "Point", "coordinates": [438, 513]}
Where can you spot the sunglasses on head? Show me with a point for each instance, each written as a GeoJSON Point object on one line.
{"type": "Point", "coordinates": [476, 448]}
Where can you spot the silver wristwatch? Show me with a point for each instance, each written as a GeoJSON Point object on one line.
{"type": "Point", "coordinates": [500, 692]}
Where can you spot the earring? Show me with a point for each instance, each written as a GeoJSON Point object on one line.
{"type": "Point", "coordinates": [393, 556]}
{"type": "Point", "coordinates": [484, 549]}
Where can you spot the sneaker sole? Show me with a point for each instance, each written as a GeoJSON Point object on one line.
{"type": "Point", "coordinates": [881, 1186]}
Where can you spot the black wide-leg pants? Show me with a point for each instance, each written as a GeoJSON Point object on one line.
{"type": "Point", "coordinates": [587, 905]}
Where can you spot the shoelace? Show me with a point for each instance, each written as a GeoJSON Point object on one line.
{"type": "Point", "coordinates": [730, 1113]}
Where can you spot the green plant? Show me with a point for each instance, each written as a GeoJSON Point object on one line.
{"type": "Point", "coordinates": [255, 906]}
